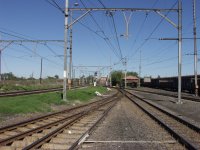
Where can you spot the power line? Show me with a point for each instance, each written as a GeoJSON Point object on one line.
{"type": "Point", "coordinates": [43, 42]}
{"type": "Point", "coordinates": [149, 36]}
{"type": "Point", "coordinates": [39, 55]}
{"type": "Point", "coordinates": [164, 60]}
{"type": "Point", "coordinates": [154, 4]}
{"type": "Point", "coordinates": [139, 31]}
{"type": "Point", "coordinates": [12, 35]}
{"type": "Point", "coordinates": [101, 3]}
{"type": "Point", "coordinates": [54, 4]}
{"type": "Point", "coordinates": [142, 25]}
{"type": "Point", "coordinates": [115, 29]}
{"type": "Point", "coordinates": [50, 49]}
{"type": "Point", "coordinates": [106, 38]}
{"type": "Point", "coordinates": [156, 62]}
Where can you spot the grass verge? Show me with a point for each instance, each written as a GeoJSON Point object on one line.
{"type": "Point", "coordinates": [12, 87]}
{"type": "Point", "coordinates": [42, 102]}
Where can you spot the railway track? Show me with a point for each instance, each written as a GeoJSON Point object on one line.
{"type": "Point", "coordinates": [192, 98]}
{"type": "Point", "coordinates": [62, 130]}
{"type": "Point", "coordinates": [186, 133]}
{"type": "Point", "coordinates": [18, 93]}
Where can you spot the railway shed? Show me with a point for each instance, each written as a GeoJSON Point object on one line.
{"type": "Point", "coordinates": [131, 81]}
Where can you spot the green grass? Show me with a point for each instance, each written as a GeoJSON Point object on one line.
{"type": "Point", "coordinates": [43, 102]}
{"type": "Point", "coordinates": [11, 87]}
{"type": "Point", "coordinates": [84, 94]}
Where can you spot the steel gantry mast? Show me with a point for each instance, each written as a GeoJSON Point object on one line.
{"type": "Point", "coordinates": [179, 49]}
{"type": "Point", "coordinates": [195, 48]}
{"type": "Point", "coordinates": [156, 10]}
{"type": "Point", "coordinates": [65, 51]}
{"type": "Point", "coordinates": [70, 53]}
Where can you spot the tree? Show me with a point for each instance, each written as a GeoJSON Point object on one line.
{"type": "Point", "coordinates": [132, 74]}
{"type": "Point", "coordinates": [56, 77]}
{"type": "Point", "coordinates": [116, 77]}
{"type": "Point", "coordinates": [8, 76]}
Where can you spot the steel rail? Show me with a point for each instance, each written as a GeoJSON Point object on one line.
{"type": "Point", "coordinates": [18, 93]}
{"type": "Point", "coordinates": [48, 136]}
{"type": "Point", "coordinates": [10, 140]}
{"type": "Point", "coordinates": [23, 123]}
{"type": "Point", "coordinates": [171, 95]}
{"type": "Point", "coordinates": [91, 128]}
{"type": "Point", "coordinates": [185, 122]}
{"type": "Point", "coordinates": [41, 141]}
{"type": "Point", "coordinates": [35, 130]}
{"type": "Point", "coordinates": [183, 140]}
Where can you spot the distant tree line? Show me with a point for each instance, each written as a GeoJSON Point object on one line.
{"type": "Point", "coordinates": [11, 76]}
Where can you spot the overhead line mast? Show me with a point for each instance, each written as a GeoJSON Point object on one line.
{"type": "Point", "coordinates": [195, 48]}
{"type": "Point", "coordinates": [65, 50]}
{"type": "Point", "coordinates": [157, 11]}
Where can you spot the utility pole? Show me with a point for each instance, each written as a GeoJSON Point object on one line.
{"type": "Point", "coordinates": [125, 64]}
{"type": "Point", "coordinates": [70, 53]}
{"type": "Point", "coordinates": [41, 71]}
{"type": "Point", "coordinates": [1, 49]}
{"type": "Point", "coordinates": [0, 64]}
{"type": "Point", "coordinates": [139, 84]}
{"type": "Point", "coordinates": [65, 51]}
{"type": "Point", "coordinates": [110, 73]}
{"type": "Point", "coordinates": [195, 48]}
{"type": "Point", "coordinates": [0, 61]}
{"type": "Point", "coordinates": [179, 49]}
{"type": "Point", "coordinates": [74, 78]}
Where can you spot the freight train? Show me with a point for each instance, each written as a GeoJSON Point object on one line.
{"type": "Point", "coordinates": [171, 83]}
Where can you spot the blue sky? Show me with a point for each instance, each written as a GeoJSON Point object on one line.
{"type": "Point", "coordinates": [37, 19]}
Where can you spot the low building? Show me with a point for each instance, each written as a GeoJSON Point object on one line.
{"type": "Point", "coordinates": [103, 81]}
{"type": "Point", "coordinates": [131, 81]}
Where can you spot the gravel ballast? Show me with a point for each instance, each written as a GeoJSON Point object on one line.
{"type": "Point", "coordinates": [127, 127]}
{"type": "Point", "coordinates": [188, 109]}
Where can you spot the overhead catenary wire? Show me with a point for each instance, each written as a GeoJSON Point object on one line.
{"type": "Point", "coordinates": [104, 37]}
{"type": "Point", "coordinates": [54, 4]}
{"type": "Point", "coordinates": [138, 33]}
{"type": "Point", "coordinates": [115, 29]}
{"type": "Point", "coordinates": [40, 55]}
{"type": "Point", "coordinates": [164, 60]}
{"type": "Point", "coordinates": [149, 36]}
{"type": "Point", "coordinates": [140, 29]}
{"type": "Point", "coordinates": [20, 37]}
{"type": "Point", "coordinates": [6, 33]}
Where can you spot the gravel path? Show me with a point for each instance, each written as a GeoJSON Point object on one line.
{"type": "Point", "coordinates": [189, 109]}
{"type": "Point", "coordinates": [166, 92]}
{"type": "Point", "coordinates": [127, 127]}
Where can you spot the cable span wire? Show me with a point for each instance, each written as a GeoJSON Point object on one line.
{"type": "Point", "coordinates": [12, 35]}
{"type": "Point", "coordinates": [139, 31]}
{"type": "Point", "coordinates": [106, 38]}
{"type": "Point", "coordinates": [54, 4]}
{"type": "Point", "coordinates": [28, 39]}
{"type": "Point", "coordinates": [115, 29]}
{"type": "Point", "coordinates": [149, 37]}
{"type": "Point", "coordinates": [39, 55]}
